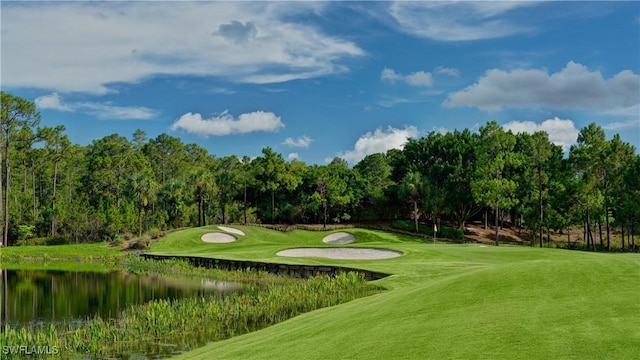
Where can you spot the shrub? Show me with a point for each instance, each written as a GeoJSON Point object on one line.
{"type": "Point", "coordinates": [33, 241]}
{"type": "Point", "coordinates": [140, 243]}
{"type": "Point", "coordinates": [116, 242]}
{"type": "Point", "coordinates": [57, 240]}
{"type": "Point", "coordinates": [25, 231]}
{"type": "Point", "coordinates": [154, 233]}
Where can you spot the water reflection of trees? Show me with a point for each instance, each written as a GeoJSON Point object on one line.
{"type": "Point", "coordinates": [42, 295]}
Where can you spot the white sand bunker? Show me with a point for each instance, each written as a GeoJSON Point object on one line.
{"type": "Point", "coordinates": [231, 230]}
{"type": "Point", "coordinates": [341, 253]}
{"type": "Point", "coordinates": [339, 238]}
{"type": "Point", "coordinates": [218, 238]}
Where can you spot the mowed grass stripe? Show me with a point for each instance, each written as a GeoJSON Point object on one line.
{"type": "Point", "coordinates": [448, 301]}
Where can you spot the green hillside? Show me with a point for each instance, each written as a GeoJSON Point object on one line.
{"type": "Point", "coordinates": [444, 301]}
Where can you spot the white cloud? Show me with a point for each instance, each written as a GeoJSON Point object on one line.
{"type": "Point", "coordinates": [440, 130]}
{"type": "Point", "coordinates": [574, 87]}
{"type": "Point", "coordinates": [225, 124]}
{"type": "Point", "coordinates": [379, 141]}
{"type": "Point", "coordinates": [419, 78]}
{"type": "Point", "coordinates": [561, 132]}
{"type": "Point", "coordinates": [101, 110]}
{"type": "Point", "coordinates": [107, 111]}
{"type": "Point", "coordinates": [88, 46]}
{"type": "Point", "coordinates": [392, 101]}
{"type": "Point", "coordinates": [447, 71]}
{"type": "Point", "coordinates": [390, 75]}
{"type": "Point", "coordinates": [457, 21]}
{"type": "Point", "coordinates": [52, 101]}
{"type": "Point", "coordinates": [222, 91]}
{"type": "Point", "coordinates": [303, 141]}
{"type": "Point", "coordinates": [617, 125]}
{"type": "Point", "coordinates": [293, 156]}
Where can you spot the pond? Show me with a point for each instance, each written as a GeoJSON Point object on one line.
{"type": "Point", "coordinates": [47, 296]}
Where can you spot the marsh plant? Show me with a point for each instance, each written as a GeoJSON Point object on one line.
{"type": "Point", "coordinates": [165, 327]}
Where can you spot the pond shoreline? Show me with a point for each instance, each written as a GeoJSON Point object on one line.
{"type": "Point", "coordinates": [298, 271]}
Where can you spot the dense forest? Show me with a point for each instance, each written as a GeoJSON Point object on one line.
{"type": "Point", "coordinates": [53, 189]}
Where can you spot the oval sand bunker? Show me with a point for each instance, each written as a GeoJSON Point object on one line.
{"type": "Point", "coordinates": [339, 238]}
{"type": "Point", "coordinates": [341, 253]}
{"type": "Point", "coordinates": [218, 238]}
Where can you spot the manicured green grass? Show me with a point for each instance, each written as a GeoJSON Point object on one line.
{"type": "Point", "coordinates": [444, 302]}
{"type": "Point", "coordinates": [60, 251]}
{"type": "Point", "coordinates": [94, 266]}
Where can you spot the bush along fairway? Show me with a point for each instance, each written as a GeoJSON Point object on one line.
{"type": "Point", "coordinates": [444, 301]}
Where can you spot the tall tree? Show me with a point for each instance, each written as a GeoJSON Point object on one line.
{"type": "Point", "coordinates": [16, 113]}
{"type": "Point", "coordinates": [537, 152]}
{"type": "Point", "coordinates": [142, 189]}
{"type": "Point", "coordinates": [246, 177]}
{"type": "Point", "coordinates": [272, 174]}
{"type": "Point", "coordinates": [494, 154]}
{"type": "Point", "coordinates": [587, 157]}
{"type": "Point", "coordinates": [56, 145]}
{"type": "Point", "coordinates": [173, 198]}
{"type": "Point", "coordinates": [139, 138]}
{"type": "Point", "coordinates": [166, 154]}
{"type": "Point", "coordinates": [375, 171]}
{"type": "Point", "coordinates": [202, 182]}
{"type": "Point", "coordinates": [631, 194]}
{"type": "Point", "coordinates": [411, 188]}
{"type": "Point", "coordinates": [617, 157]}
{"type": "Point", "coordinates": [226, 178]}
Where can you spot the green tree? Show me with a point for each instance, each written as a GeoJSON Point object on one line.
{"type": "Point", "coordinates": [247, 176]}
{"type": "Point", "coordinates": [375, 172]}
{"type": "Point", "coordinates": [16, 114]}
{"type": "Point", "coordinates": [172, 195]}
{"type": "Point", "coordinates": [142, 189]}
{"type": "Point", "coordinates": [494, 154]}
{"type": "Point", "coordinates": [587, 158]}
{"type": "Point", "coordinates": [411, 188]}
{"type": "Point", "coordinates": [272, 174]}
{"type": "Point", "coordinates": [55, 145]}
{"type": "Point", "coordinates": [139, 138]}
{"type": "Point", "coordinates": [166, 155]}
{"type": "Point", "coordinates": [226, 178]}
{"type": "Point", "coordinates": [538, 152]}
{"type": "Point", "coordinates": [630, 206]}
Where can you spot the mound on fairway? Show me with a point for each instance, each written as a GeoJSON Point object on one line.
{"type": "Point", "coordinates": [218, 238]}
{"type": "Point", "coordinates": [341, 253]}
{"type": "Point", "coordinates": [339, 238]}
{"type": "Point", "coordinates": [231, 230]}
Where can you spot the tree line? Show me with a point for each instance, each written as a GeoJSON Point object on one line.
{"type": "Point", "coordinates": [53, 188]}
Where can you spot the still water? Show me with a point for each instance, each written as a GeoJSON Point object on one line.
{"type": "Point", "coordinates": [44, 296]}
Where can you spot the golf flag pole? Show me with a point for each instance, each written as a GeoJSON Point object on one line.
{"type": "Point", "coordinates": [435, 230]}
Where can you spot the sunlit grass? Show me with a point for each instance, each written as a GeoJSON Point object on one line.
{"type": "Point", "coordinates": [72, 251]}
{"type": "Point", "coordinates": [445, 302]}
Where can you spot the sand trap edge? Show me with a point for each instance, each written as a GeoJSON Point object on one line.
{"type": "Point", "coordinates": [231, 230]}
{"type": "Point", "coordinates": [341, 253]}
{"type": "Point", "coordinates": [217, 238]}
{"type": "Point", "coordinates": [339, 238]}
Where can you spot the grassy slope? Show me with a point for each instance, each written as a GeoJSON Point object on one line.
{"type": "Point", "coordinates": [446, 301]}
{"type": "Point", "coordinates": [61, 251]}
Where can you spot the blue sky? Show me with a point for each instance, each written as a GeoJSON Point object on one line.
{"type": "Point", "coordinates": [315, 80]}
